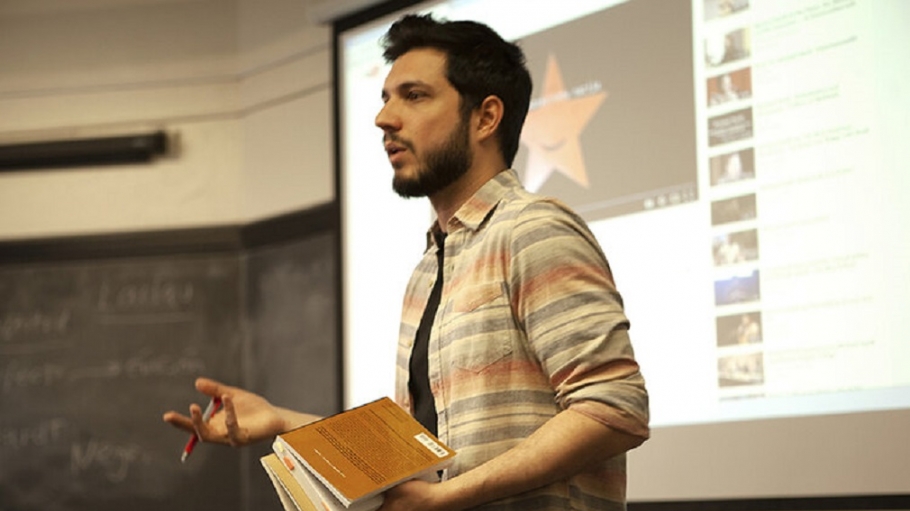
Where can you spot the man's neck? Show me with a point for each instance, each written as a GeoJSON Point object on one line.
{"type": "Point", "coordinates": [448, 201]}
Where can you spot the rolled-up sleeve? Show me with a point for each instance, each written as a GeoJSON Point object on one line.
{"type": "Point", "coordinates": [564, 297]}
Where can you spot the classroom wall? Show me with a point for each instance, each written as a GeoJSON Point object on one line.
{"type": "Point", "coordinates": [242, 86]}
{"type": "Point", "coordinates": [244, 89]}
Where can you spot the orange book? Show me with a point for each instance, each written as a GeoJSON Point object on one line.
{"type": "Point", "coordinates": [359, 453]}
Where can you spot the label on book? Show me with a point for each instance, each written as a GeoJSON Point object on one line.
{"type": "Point", "coordinates": [432, 445]}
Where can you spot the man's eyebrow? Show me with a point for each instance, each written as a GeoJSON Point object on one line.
{"type": "Point", "coordinates": [404, 86]}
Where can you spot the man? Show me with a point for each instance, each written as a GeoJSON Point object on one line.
{"type": "Point", "coordinates": [513, 346]}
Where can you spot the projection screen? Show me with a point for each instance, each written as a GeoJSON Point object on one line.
{"type": "Point", "coordinates": [743, 165]}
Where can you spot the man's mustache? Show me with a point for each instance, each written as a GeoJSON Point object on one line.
{"type": "Point", "coordinates": [395, 139]}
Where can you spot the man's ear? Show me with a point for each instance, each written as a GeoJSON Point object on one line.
{"type": "Point", "coordinates": [488, 117]}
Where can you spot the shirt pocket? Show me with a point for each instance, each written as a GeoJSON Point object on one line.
{"type": "Point", "coordinates": [478, 328]}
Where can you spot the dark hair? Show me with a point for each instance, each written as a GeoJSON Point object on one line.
{"type": "Point", "coordinates": [479, 63]}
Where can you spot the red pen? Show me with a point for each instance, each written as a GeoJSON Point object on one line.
{"type": "Point", "coordinates": [214, 406]}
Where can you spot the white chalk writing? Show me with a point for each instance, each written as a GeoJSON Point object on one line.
{"type": "Point", "coordinates": [42, 434]}
{"type": "Point", "coordinates": [112, 459]}
{"type": "Point", "coordinates": [19, 375]}
{"type": "Point", "coordinates": [14, 325]}
{"type": "Point", "coordinates": [157, 295]}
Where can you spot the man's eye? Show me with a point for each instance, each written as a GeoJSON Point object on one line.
{"type": "Point", "coordinates": [414, 94]}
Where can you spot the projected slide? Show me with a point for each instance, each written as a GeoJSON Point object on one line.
{"type": "Point", "coordinates": [743, 165]}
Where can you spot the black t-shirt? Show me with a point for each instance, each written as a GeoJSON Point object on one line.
{"type": "Point", "coordinates": [419, 378]}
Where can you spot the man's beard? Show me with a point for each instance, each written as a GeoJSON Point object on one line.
{"type": "Point", "coordinates": [440, 167]}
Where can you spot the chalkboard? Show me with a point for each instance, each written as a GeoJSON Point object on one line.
{"type": "Point", "coordinates": [291, 307]}
{"type": "Point", "coordinates": [91, 355]}
{"type": "Point", "coordinates": [293, 357]}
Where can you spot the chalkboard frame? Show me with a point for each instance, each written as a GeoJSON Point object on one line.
{"type": "Point", "coordinates": [184, 241]}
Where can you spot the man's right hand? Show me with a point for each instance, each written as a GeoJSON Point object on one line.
{"type": "Point", "coordinates": [244, 418]}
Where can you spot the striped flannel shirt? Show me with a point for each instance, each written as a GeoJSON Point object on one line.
{"type": "Point", "coordinates": [530, 323]}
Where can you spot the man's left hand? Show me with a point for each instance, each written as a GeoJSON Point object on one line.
{"type": "Point", "coordinates": [414, 495]}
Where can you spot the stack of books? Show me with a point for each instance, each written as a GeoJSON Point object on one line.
{"type": "Point", "coordinates": [345, 462]}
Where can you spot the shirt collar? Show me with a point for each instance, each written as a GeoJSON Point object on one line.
{"type": "Point", "coordinates": [475, 210]}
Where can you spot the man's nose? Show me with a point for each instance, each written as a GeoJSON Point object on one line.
{"type": "Point", "coordinates": [386, 119]}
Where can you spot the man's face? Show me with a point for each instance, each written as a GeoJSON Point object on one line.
{"type": "Point", "coordinates": [425, 136]}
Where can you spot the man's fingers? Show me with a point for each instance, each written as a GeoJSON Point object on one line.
{"type": "Point", "coordinates": [199, 426]}
{"type": "Point", "coordinates": [179, 421]}
{"type": "Point", "coordinates": [236, 435]}
{"type": "Point", "coordinates": [194, 423]}
{"type": "Point", "coordinates": [210, 387]}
